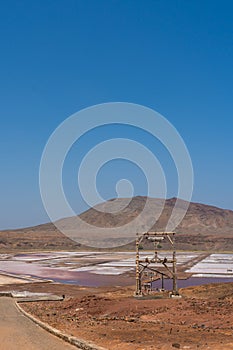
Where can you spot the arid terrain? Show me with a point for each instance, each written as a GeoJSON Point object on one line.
{"type": "Point", "coordinates": [101, 307]}
{"type": "Point", "coordinates": [203, 228]}
{"type": "Point", "coordinates": [114, 319]}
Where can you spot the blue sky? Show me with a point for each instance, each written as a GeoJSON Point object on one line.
{"type": "Point", "coordinates": [58, 57]}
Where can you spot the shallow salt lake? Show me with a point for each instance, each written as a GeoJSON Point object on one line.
{"type": "Point", "coordinates": [214, 265]}
{"type": "Point", "coordinates": [115, 268]}
{"type": "Point", "coordinates": [191, 282]}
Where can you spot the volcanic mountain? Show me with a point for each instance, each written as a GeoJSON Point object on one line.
{"type": "Point", "coordinates": [203, 227]}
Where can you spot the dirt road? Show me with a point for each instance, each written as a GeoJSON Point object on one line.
{"type": "Point", "coordinates": [19, 333]}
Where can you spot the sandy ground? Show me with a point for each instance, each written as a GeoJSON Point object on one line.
{"type": "Point", "coordinates": [113, 318]}
{"type": "Point", "coordinates": [19, 333]}
{"type": "Point", "coordinates": [8, 280]}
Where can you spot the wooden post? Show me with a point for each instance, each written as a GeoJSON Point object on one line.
{"type": "Point", "coordinates": [174, 289]}
{"type": "Point", "coordinates": [162, 282]}
{"type": "Point", "coordinates": [138, 290]}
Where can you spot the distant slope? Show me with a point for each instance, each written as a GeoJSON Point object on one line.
{"type": "Point", "coordinates": [200, 218]}
{"type": "Point", "coordinates": [203, 228]}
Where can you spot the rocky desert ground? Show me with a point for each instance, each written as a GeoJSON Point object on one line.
{"type": "Point", "coordinates": [102, 309]}
{"type": "Point", "coordinates": [114, 319]}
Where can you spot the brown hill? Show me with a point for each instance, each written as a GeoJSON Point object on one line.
{"type": "Point", "coordinates": [204, 227]}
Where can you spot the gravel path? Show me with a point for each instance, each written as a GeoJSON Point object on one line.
{"type": "Point", "coordinates": [17, 332]}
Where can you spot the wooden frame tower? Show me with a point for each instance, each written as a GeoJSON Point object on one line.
{"type": "Point", "coordinates": [156, 266]}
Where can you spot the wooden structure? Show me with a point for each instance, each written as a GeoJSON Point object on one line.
{"type": "Point", "coordinates": [155, 267]}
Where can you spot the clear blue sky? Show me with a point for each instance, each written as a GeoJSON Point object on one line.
{"type": "Point", "coordinates": [57, 57]}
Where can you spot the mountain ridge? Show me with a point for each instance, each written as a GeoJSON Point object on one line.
{"type": "Point", "coordinates": [204, 227]}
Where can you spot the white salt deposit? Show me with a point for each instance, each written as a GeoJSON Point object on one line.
{"type": "Point", "coordinates": [214, 265]}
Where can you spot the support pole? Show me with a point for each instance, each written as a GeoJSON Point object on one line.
{"type": "Point", "coordinates": [138, 290]}
{"type": "Point", "coordinates": [174, 277]}
{"type": "Point", "coordinates": [162, 282]}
